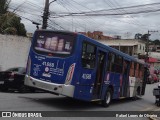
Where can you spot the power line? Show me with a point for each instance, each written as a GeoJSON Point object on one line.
{"type": "Point", "coordinates": [56, 24]}
{"type": "Point", "coordinates": [90, 18]}
{"type": "Point", "coordinates": [71, 5]}
{"type": "Point", "coordinates": [108, 14]}
{"type": "Point", "coordinates": [24, 12]}
{"type": "Point", "coordinates": [115, 9]}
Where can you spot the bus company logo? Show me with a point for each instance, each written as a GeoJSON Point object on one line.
{"type": "Point", "coordinates": [47, 69]}
{"type": "Point", "coordinates": [46, 75]}
{"type": "Point", "coordinates": [6, 114]}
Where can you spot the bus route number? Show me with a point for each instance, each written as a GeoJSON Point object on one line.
{"type": "Point", "coordinates": [48, 64]}
{"type": "Point", "coordinates": [86, 76]}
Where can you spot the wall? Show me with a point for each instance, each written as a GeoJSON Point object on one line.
{"type": "Point", "coordinates": [13, 51]}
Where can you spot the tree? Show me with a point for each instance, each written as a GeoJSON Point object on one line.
{"type": "Point", "coordinates": [145, 37]}
{"type": "Point", "coordinates": [10, 23]}
{"type": "Point", "coordinates": [156, 42]}
{"type": "Point", "coordinates": [4, 4]}
{"type": "Point", "coordinates": [138, 36]}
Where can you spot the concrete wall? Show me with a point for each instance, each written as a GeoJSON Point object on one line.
{"type": "Point", "coordinates": [13, 51]}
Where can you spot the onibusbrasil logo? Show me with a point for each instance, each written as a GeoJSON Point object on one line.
{"type": "Point", "coordinates": [21, 114]}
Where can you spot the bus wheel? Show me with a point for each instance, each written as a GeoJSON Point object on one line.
{"type": "Point", "coordinates": [107, 99]}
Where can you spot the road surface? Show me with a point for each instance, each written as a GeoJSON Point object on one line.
{"type": "Point", "coordinates": [14, 101]}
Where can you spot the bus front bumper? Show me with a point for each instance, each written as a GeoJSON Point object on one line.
{"type": "Point", "coordinates": [66, 90]}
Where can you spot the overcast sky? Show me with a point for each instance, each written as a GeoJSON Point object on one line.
{"type": "Point", "coordinates": [124, 25]}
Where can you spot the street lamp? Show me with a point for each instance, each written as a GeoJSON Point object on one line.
{"type": "Point", "coordinates": [36, 24]}
{"type": "Point", "coordinates": [52, 1]}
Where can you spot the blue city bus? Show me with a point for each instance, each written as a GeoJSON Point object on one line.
{"type": "Point", "coordinates": [74, 65]}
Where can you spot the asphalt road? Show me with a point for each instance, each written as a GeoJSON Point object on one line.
{"type": "Point", "coordinates": [14, 101]}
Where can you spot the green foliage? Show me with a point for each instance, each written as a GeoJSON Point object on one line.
{"type": "Point", "coordinates": [138, 36]}
{"type": "Point", "coordinates": [156, 42]}
{"type": "Point", "coordinates": [4, 4]}
{"type": "Point", "coordinates": [145, 37]}
{"type": "Point", "coordinates": [10, 30]}
{"type": "Point", "coordinates": [10, 23]}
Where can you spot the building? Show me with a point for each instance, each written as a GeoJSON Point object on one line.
{"type": "Point", "coordinates": [132, 47]}
{"type": "Point", "coordinates": [154, 60]}
{"type": "Point", "coordinates": [154, 48]}
{"type": "Point", "coordinates": [98, 35]}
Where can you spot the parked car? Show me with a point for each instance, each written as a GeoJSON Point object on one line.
{"type": "Point", "coordinates": [13, 78]}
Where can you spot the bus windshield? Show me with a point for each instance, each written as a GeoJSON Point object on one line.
{"type": "Point", "coordinates": [54, 43]}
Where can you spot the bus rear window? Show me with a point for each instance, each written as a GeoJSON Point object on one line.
{"type": "Point", "coordinates": [54, 44]}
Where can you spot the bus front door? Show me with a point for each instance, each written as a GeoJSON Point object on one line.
{"type": "Point", "coordinates": [99, 74]}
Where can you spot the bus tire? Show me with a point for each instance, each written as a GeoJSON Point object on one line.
{"type": "Point", "coordinates": [107, 98]}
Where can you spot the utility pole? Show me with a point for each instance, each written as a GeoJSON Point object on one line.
{"type": "Point", "coordinates": [147, 45]}
{"type": "Point", "coordinates": [45, 14]}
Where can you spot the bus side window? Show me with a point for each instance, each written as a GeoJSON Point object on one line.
{"type": "Point", "coordinates": [132, 73]}
{"type": "Point", "coordinates": [88, 55]}
{"type": "Point", "coordinates": [135, 69]}
{"type": "Point", "coordinates": [118, 64]}
{"type": "Point", "coordinates": [141, 71]}
{"type": "Point", "coordinates": [110, 66]}
{"type": "Point", "coordinates": [125, 66]}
